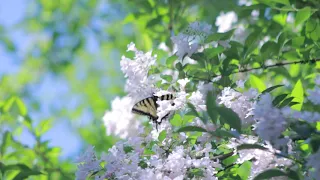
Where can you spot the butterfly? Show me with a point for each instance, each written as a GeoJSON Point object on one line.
{"type": "Point", "coordinates": [148, 107]}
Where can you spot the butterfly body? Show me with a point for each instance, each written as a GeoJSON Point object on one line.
{"type": "Point", "coordinates": [148, 107]}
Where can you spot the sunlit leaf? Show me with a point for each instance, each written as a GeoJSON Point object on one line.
{"type": "Point", "coordinates": [297, 93]}
{"type": "Point", "coordinates": [244, 170]}
{"type": "Point", "coordinates": [257, 83]}
{"type": "Point", "coordinates": [162, 135]}
{"type": "Point", "coordinates": [43, 126]}
{"type": "Point", "coordinates": [22, 107]}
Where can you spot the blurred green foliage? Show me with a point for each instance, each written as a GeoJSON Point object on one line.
{"type": "Point", "coordinates": [81, 42]}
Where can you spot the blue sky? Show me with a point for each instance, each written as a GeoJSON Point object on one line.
{"type": "Point", "coordinates": [11, 12]}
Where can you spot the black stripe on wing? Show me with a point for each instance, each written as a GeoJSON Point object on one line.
{"type": "Point", "coordinates": [137, 111]}
{"type": "Point", "coordinates": [148, 107]}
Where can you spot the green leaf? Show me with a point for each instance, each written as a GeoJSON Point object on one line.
{"type": "Point", "coordinates": [271, 89]}
{"type": "Point", "coordinates": [293, 103]}
{"type": "Point", "coordinates": [211, 107]}
{"type": "Point", "coordinates": [6, 140]}
{"type": "Point", "coordinates": [21, 167]}
{"type": "Point", "coordinates": [223, 133]}
{"type": "Point", "coordinates": [269, 49]}
{"type": "Point", "coordinates": [298, 41]}
{"type": "Point", "coordinates": [220, 36]}
{"type": "Point", "coordinates": [154, 22]}
{"type": "Point", "coordinates": [22, 107]}
{"type": "Point", "coordinates": [8, 43]}
{"type": "Point", "coordinates": [315, 143]}
{"type": "Point", "coordinates": [244, 170]}
{"type": "Point", "coordinates": [143, 164]}
{"type": "Point", "coordinates": [168, 78]}
{"type": "Point", "coordinates": [230, 160]}
{"type": "Point", "coordinates": [200, 58]}
{"type": "Point", "coordinates": [230, 117]}
{"type": "Point", "coordinates": [286, 102]}
{"type": "Point", "coordinates": [43, 127]}
{"type": "Point", "coordinates": [269, 174]}
{"type": "Point", "coordinates": [2, 168]}
{"type": "Point", "coordinates": [257, 83]}
{"type": "Point", "coordinates": [8, 104]}
{"type": "Point", "coordinates": [195, 113]}
{"type": "Point", "coordinates": [170, 61]}
{"type": "Point", "coordinates": [193, 110]}
{"type": "Point", "coordinates": [179, 66]}
{"type": "Point", "coordinates": [285, 2]}
{"type": "Point", "coordinates": [213, 52]}
{"type": "Point", "coordinates": [127, 149]}
{"type": "Point", "coordinates": [293, 175]}
{"type": "Point", "coordinates": [26, 174]}
{"type": "Point", "coordinates": [280, 18]}
{"type": "Point", "coordinates": [303, 15]}
{"type": "Point", "coordinates": [195, 173]}
{"type": "Point", "coordinates": [250, 146]}
{"type": "Point", "coordinates": [297, 93]}
{"type": "Point", "coordinates": [176, 120]}
{"type": "Point", "coordinates": [162, 135]}
{"type": "Point", "coordinates": [191, 129]}
{"type": "Point", "coordinates": [278, 99]}
{"type": "Point", "coordinates": [291, 55]}
{"type": "Point", "coordinates": [252, 38]}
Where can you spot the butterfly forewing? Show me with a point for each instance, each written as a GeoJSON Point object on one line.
{"type": "Point", "coordinates": [146, 107]}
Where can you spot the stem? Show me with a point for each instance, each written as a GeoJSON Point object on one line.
{"type": "Point", "coordinates": [312, 61]}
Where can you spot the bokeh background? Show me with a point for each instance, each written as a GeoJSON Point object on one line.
{"type": "Point", "coordinates": [59, 65]}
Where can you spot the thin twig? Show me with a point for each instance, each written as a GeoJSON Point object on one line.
{"type": "Point", "coordinates": [312, 61]}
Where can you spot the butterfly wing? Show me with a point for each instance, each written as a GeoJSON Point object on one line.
{"type": "Point", "coordinates": [147, 107]}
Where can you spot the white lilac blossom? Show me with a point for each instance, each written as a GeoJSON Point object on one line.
{"type": "Point", "coordinates": [189, 42]}
{"type": "Point", "coordinates": [245, 2]}
{"type": "Point", "coordinates": [138, 84]}
{"type": "Point", "coordinates": [201, 29]}
{"type": "Point", "coordinates": [313, 162]}
{"type": "Point", "coordinates": [210, 127]}
{"type": "Point", "coordinates": [317, 80]}
{"type": "Point", "coordinates": [120, 121]}
{"type": "Point", "coordinates": [87, 164]}
{"type": "Point", "coordinates": [240, 83]}
{"type": "Point", "coordinates": [261, 159]}
{"type": "Point", "coordinates": [311, 117]}
{"type": "Point", "coordinates": [225, 20]}
{"type": "Point", "coordinates": [184, 48]}
{"type": "Point", "coordinates": [167, 106]}
{"type": "Point", "coordinates": [314, 95]}
{"type": "Point", "coordinates": [198, 98]}
{"type": "Point", "coordinates": [271, 122]}
{"type": "Point", "coordinates": [126, 160]}
{"type": "Point", "coordinates": [242, 104]}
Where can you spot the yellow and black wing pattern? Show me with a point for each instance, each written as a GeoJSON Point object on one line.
{"type": "Point", "coordinates": [148, 107]}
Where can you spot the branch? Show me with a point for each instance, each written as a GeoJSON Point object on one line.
{"type": "Point", "coordinates": [312, 61]}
